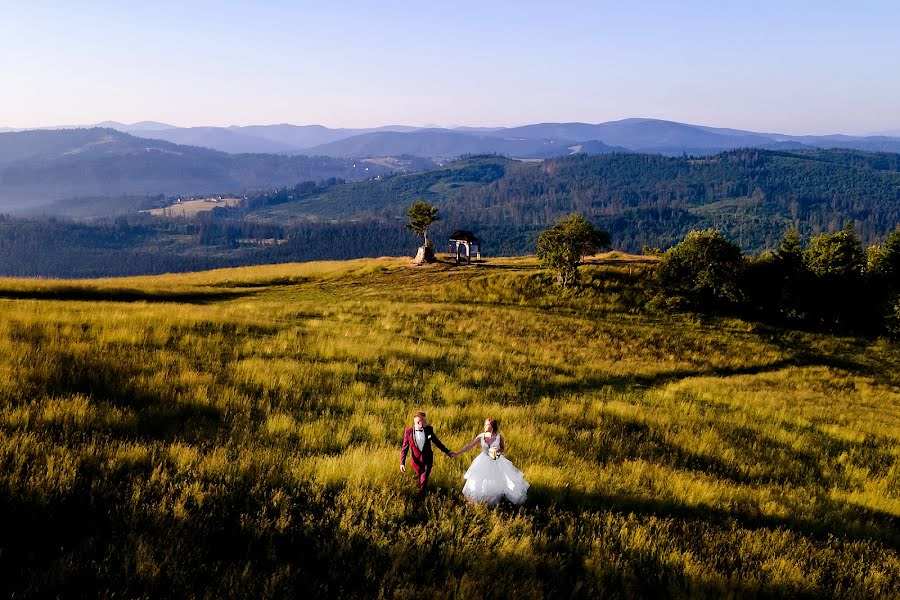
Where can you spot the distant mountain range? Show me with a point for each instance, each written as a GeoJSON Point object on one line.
{"type": "Point", "coordinates": [40, 167]}
{"type": "Point", "coordinates": [445, 144]}
{"type": "Point", "coordinates": [536, 141]}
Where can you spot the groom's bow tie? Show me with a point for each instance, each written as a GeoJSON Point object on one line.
{"type": "Point", "coordinates": [420, 430]}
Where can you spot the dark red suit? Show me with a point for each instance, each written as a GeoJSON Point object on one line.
{"type": "Point", "coordinates": [421, 459]}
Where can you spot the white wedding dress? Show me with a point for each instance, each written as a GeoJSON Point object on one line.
{"type": "Point", "coordinates": [489, 480]}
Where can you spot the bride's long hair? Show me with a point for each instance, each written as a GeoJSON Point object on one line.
{"type": "Point", "coordinates": [495, 425]}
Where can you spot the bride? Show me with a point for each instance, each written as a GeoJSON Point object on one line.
{"type": "Point", "coordinates": [492, 477]}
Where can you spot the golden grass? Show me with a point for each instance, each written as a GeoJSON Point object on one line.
{"type": "Point", "coordinates": [236, 433]}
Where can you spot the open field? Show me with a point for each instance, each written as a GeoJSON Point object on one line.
{"type": "Point", "coordinates": [236, 433]}
{"type": "Point", "coordinates": [189, 208]}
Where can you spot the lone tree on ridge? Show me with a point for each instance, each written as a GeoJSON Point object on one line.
{"type": "Point", "coordinates": [562, 247]}
{"type": "Point", "coordinates": [420, 216]}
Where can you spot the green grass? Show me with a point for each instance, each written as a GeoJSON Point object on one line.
{"type": "Point", "coordinates": [235, 433]}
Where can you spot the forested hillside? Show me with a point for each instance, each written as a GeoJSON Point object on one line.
{"type": "Point", "coordinates": [752, 196]}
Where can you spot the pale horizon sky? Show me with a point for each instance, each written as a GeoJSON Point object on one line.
{"type": "Point", "coordinates": [796, 67]}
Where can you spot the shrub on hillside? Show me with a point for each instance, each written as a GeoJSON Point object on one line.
{"type": "Point", "coordinates": [702, 271]}
{"type": "Point", "coordinates": [836, 256]}
{"type": "Point", "coordinates": [836, 294]}
{"type": "Point", "coordinates": [762, 283]}
{"type": "Point", "coordinates": [892, 318]}
{"type": "Point", "coordinates": [883, 262]}
{"type": "Point", "coordinates": [562, 247]}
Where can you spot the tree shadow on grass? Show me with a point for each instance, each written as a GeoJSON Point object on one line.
{"type": "Point", "coordinates": [92, 542]}
{"type": "Point", "coordinates": [842, 520]}
{"type": "Point", "coordinates": [629, 382]}
{"type": "Point", "coordinates": [86, 294]}
{"type": "Point", "coordinates": [121, 404]}
{"type": "Point", "coordinates": [767, 461]}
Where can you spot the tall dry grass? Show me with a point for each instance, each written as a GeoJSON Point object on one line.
{"type": "Point", "coordinates": [235, 433]}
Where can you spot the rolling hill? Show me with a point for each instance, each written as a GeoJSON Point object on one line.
{"type": "Point", "coordinates": [540, 140]}
{"type": "Point", "coordinates": [545, 140]}
{"type": "Point", "coordinates": [40, 167]}
{"type": "Point", "coordinates": [441, 144]}
{"type": "Point", "coordinates": [234, 434]}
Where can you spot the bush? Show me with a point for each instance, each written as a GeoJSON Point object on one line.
{"type": "Point", "coordinates": [892, 316]}
{"type": "Point", "coordinates": [702, 271]}
{"type": "Point", "coordinates": [836, 256]}
{"type": "Point", "coordinates": [884, 262]}
{"type": "Point", "coordinates": [837, 294]}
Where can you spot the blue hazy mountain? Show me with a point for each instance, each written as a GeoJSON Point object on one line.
{"type": "Point", "coordinates": [446, 144]}
{"type": "Point", "coordinates": [303, 137]}
{"type": "Point", "coordinates": [544, 140]}
{"type": "Point", "coordinates": [41, 166]}
{"type": "Point", "coordinates": [270, 139]}
{"type": "Point", "coordinates": [646, 135]}
{"type": "Point", "coordinates": [672, 138]}
{"type": "Point", "coordinates": [538, 140]}
{"type": "Point", "coordinates": [223, 139]}
{"type": "Point", "coordinates": [138, 127]}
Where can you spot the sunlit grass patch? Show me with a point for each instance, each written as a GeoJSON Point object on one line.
{"type": "Point", "coordinates": [237, 433]}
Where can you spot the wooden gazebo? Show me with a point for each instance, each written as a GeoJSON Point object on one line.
{"type": "Point", "coordinates": [465, 239]}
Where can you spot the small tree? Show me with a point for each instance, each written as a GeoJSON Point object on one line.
{"type": "Point", "coordinates": [791, 277]}
{"type": "Point", "coordinates": [883, 275]}
{"type": "Point", "coordinates": [791, 248]}
{"type": "Point", "coordinates": [704, 270]}
{"type": "Point", "coordinates": [837, 294]}
{"type": "Point", "coordinates": [836, 256]}
{"type": "Point", "coordinates": [884, 262]}
{"type": "Point", "coordinates": [420, 216]}
{"type": "Point", "coordinates": [562, 247]}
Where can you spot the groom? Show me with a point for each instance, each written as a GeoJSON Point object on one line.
{"type": "Point", "coordinates": [419, 438]}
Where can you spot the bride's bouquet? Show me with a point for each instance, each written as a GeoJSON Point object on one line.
{"type": "Point", "coordinates": [494, 453]}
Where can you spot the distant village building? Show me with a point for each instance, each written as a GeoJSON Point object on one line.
{"type": "Point", "coordinates": [465, 239]}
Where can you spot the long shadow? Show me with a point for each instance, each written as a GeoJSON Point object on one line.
{"type": "Point", "coordinates": [174, 422]}
{"type": "Point", "coordinates": [264, 283]}
{"type": "Point", "coordinates": [80, 294]}
{"type": "Point", "coordinates": [620, 439]}
{"type": "Point", "coordinates": [90, 542]}
{"type": "Point", "coordinates": [616, 262]}
{"type": "Point", "coordinates": [846, 521]}
{"type": "Point", "coordinates": [115, 384]}
{"type": "Point", "coordinates": [484, 266]}
{"type": "Point", "coordinates": [531, 392]}
{"type": "Point", "coordinates": [625, 383]}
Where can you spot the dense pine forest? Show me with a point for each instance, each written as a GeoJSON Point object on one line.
{"type": "Point", "coordinates": [751, 196]}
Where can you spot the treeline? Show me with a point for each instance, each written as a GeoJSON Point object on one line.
{"type": "Point", "coordinates": [750, 195]}
{"type": "Point", "coordinates": [827, 282]}
{"type": "Point", "coordinates": [138, 246]}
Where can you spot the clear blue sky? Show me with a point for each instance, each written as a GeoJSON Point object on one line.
{"type": "Point", "coordinates": [789, 66]}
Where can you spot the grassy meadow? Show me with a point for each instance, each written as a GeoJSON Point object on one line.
{"type": "Point", "coordinates": [235, 433]}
